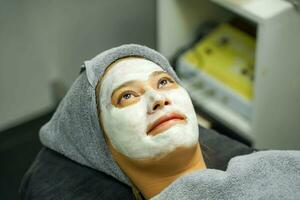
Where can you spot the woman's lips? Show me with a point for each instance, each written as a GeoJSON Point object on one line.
{"type": "Point", "coordinates": [165, 122]}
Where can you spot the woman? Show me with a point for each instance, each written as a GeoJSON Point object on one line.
{"type": "Point", "coordinates": [132, 132]}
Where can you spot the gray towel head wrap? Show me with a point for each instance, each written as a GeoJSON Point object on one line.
{"type": "Point", "coordinates": [74, 130]}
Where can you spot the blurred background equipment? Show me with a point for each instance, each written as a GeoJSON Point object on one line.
{"type": "Point", "coordinates": [222, 65]}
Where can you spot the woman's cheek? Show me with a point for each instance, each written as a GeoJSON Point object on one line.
{"type": "Point", "coordinates": [179, 97]}
{"type": "Point", "coordinates": [130, 118]}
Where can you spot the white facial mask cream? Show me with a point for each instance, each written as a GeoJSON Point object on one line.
{"type": "Point", "coordinates": [126, 127]}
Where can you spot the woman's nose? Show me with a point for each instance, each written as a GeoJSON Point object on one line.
{"type": "Point", "coordinates": [156, 101]}
{"type": "Point", "coordinates": [160, 104]}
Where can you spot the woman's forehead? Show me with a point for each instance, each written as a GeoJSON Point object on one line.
{"type": "Point", "coordinates": [129, 69]}
{"type": "Point", "coordinates": [132, 65]}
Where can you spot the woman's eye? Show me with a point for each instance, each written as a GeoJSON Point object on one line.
{"type": "Point", "coordinates": [126, 96]}
{"type": "Point", "coordinates": [163, 82]}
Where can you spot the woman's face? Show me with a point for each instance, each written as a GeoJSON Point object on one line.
{"type": "Point", "coordinates": [144, 112]}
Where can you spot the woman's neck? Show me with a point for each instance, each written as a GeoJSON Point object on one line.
{"type": "Point", "coordinates": [151, 176]}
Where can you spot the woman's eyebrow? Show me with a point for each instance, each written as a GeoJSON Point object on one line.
{"type": "Point", "coordinates": [156, 73]}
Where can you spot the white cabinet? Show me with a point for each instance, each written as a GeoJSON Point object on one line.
{"type": "Point", "coordinates": [275, 114]}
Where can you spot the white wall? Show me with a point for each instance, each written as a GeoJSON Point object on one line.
{"type": "Point", "coordinates": [42, 41]}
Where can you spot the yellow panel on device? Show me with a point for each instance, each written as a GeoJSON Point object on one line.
{"type": "Point", "coordinates": [227, 54]}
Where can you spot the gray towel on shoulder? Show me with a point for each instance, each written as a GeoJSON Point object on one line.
{"type": "Point", "coordinates": [266, 175]}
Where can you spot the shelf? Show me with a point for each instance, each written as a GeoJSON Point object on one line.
{"type": "Point", "coordinates": [255, 10]}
